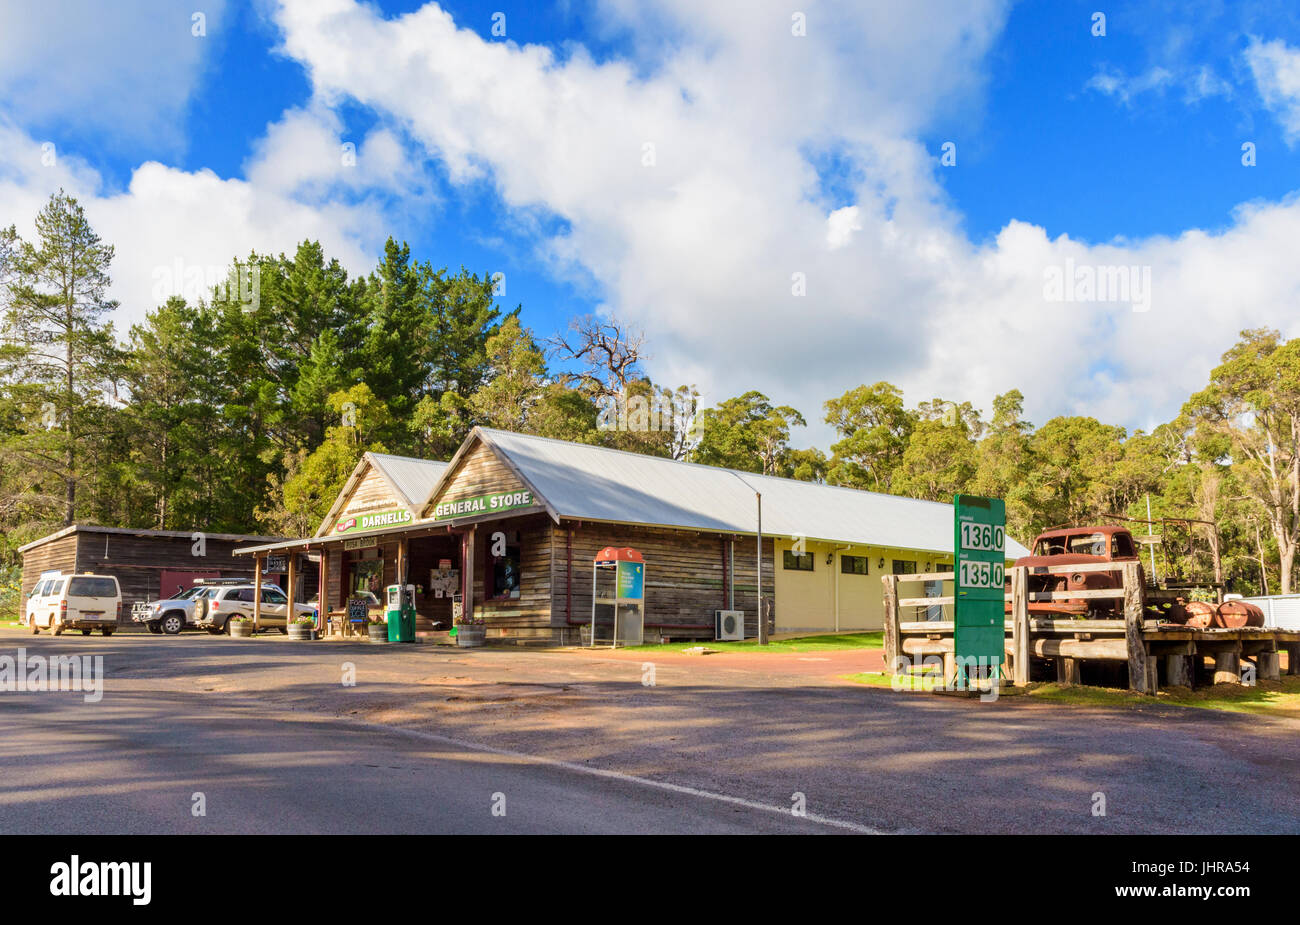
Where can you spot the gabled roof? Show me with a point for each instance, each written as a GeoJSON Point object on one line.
{"type": "Point", "coordinates": [585, 482]}
{"type": "Point", "coordinates": [410, 480]}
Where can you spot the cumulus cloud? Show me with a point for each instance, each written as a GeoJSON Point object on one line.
{"type": "Point", "coordinates": [1275, 66]}
{"type": "Point", "coordinates": [709, 240]}
{"type": "Point", "coordinates": [174, 228]}
{"type": "Point", "coordinates": [126, 72]}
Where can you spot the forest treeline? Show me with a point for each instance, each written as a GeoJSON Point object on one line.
{"type": "Point", "coordinates": [246, 409]}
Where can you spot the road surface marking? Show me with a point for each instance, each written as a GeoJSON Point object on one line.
{"type": "Point", "coordinates": [620, 776]}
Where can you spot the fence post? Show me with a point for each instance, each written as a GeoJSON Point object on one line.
{"type": "Point", "coordinates": [891, 622]}
{"type": "Point", "coordinates": [1020, 625]}
{"type": "Point", "coordinates": [1139, 676]}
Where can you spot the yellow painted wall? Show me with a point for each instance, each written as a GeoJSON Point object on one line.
{"type": "Point", "coordinates": [805, 601]}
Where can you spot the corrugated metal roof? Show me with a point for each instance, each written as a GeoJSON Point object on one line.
{"type": "Point", "coordinates": [412, 478]}
{"type": "Point", "coordinates": [596, 483]}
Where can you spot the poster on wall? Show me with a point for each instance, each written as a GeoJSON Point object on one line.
{"type": "Point", "coordinates": [444, 582]}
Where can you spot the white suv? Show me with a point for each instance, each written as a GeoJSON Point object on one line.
{"type": "Point", "coordinates": [81, 602]}
{"type": "Point", "coordinates": [214, 607]}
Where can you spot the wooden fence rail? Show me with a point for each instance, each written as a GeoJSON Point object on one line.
{"type": "Point", "coordinates": [1133, 638]}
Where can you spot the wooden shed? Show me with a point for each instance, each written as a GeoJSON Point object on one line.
{"type": "Point", "coordinates": [149, 564]}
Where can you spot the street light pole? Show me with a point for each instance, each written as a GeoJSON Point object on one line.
{"type": "Point", "coordinates": [758, 499]}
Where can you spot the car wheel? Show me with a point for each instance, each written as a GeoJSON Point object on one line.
{"type": "Point", "coordinates": [106, 631]}
{"type": "Point", "coordinates": [56, 628]}
{"type": "Point", "coordinates": [172, 624]}
{"type": "Point", "coordinates": [154, 627]}
{"type": "Point", "coordinates": [214, 631]}
{"type": "Point", "coordinates": [284, 630]}
{"type": "Point", "coordinates": [35, 629]}
{"type": "Point", "coordinates": [225, 627]}
{"type": "Point", "coordinates": [85, 632]}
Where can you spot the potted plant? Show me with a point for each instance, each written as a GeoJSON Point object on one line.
{"type": "Point", "coordinates": [470, 632]}
{"type": "Point", "coordinates": [378, 629]}
{"type": "Point", "coordinates": [303, 628]}
{"type": "Point", "coordinates": [241, 627]}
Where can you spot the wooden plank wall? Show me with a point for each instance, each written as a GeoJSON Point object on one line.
{"type": "Point", "coordinates": [370, 494]}
{"type": "Point", "coordinates": [60, 554]}
{"type": "Point", "coordinates": [528, 616]}
{"type": "Point", "coordinates": [479, 472]}
{"type": "Point", "coordinates": [684, 574]}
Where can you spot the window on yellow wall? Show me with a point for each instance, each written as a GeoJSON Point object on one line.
{"type": "Point", "coordinates": [904, 567]}
{"type": "Point", "coordinates": [797, 561]}
{"type": "Point", "coordinates": [854, 565]}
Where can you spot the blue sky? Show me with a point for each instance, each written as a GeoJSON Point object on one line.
{"type": "Point", "coordinates": [776, 154]}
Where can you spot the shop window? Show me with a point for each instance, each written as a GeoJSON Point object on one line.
{"type": "Point", "coordinates": [904, 567]}
{"type": "Point", "coordinates": [853, 565]}
{"type": "Point", "coordinates": [504, 570]}
{"type": "Point", "coordinates": [797, 561]}
{"type": "Point", "coordinates": [368, 575]}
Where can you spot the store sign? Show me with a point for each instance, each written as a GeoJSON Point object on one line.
{"type": "Point", "coordinates": [391, 518]}
{"type": "Point", "coordinates": [361, 542]}
{"type": "Point", "coordinates": [275, 565]}
{"type": "Point", "coordinates": [483, 504]}
{"type": "Point", "coordinates": [980, 535]}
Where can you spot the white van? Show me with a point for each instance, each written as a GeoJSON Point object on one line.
{"type": "Point", "coordinates": [82, 602]}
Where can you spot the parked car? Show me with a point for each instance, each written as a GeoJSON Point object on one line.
{"type": "Point", "coordinates": [216, 604]}
{"type": "Point", "coordinates": [172, 615]}
{"type": "Point", "coordinates": [85, 602]}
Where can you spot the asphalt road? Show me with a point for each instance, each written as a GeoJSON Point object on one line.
{"type": "Point", "coordinates": [430, 739]}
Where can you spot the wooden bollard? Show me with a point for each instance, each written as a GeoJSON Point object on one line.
{"type": "Point", "coordinates": [1268, 666]}
{"type": "Point", "coordinates": [1227, 667]}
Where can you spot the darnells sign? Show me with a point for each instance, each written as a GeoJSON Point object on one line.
{"type": "Point", "coordinates": [392, 518]}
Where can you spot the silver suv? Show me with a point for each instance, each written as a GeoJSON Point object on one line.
{"type": "Point", "coordinates": [169, 616]}
{"type": "Point", "coordinates": [216, 604]}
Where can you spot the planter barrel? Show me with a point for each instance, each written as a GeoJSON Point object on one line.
{"type": "Point", "coordinates": [241, 629]}
{"type": "Point", "coordinates": [470, 637]}
{"type": "Point", "coordinates": [378, 632]}
{"type": "Point", "coordinates": [302, 631]}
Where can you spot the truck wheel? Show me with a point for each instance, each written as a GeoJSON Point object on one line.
{"type": "Point", "coordinates": [56, 628]}
{"type": "Point", "coordinates": [85, 632]}
{"type": "Point", "coordinates": [172, 624]}
{"type": "Point", "coordinates": [35, 629]}
{"type": "Point", "coordinates": [154, 627]}
{"type": "Point", "coordinates": [214, 631]}
{"type": "Point", "coordinates": [107, 631]}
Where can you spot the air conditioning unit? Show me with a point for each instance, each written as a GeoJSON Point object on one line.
{"type": "Point", "coordinates": [729, 624]}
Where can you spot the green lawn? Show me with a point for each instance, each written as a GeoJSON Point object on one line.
{"type": "Point", "coordinates": [824, 643]}
{"type": "Point", "coordinates": [1267, 698]}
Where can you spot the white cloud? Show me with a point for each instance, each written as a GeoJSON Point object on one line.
{"type": "Point", "coordinates": [125, 71]}
{"type": "Point", "coordinates": [1276, 69]}
{"type": "Point", "coordinates": [701, 247]}
{"type": "Point", "coordinates": [841, 226]}
{"type": "Point", "coordinates": [169, 223]}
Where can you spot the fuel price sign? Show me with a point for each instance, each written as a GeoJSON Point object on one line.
{"type": "Point", "coordinates": [980, 542]}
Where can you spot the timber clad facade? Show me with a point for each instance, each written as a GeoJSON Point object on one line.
{"type": "Point", "coordinates": [510, 527]}
{"type": "Point", "coordinates": [149, 564]}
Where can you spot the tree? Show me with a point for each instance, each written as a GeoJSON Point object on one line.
{"type": "Point", "coordinates": [874, 428]}
{"type": "Point", "coordinates": [1252, 407]}
{"type": "Point", "coordinates": [302, 497]}
{"type": "Point", "coordinates": [746, 433]}
{"type": "Point", "coordinates": [57, 347]}
{"type": "Point", "coordinates": [516, 378]}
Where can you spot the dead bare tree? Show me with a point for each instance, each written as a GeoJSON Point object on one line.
{"type": "Point", "coordinates": [609, 351]}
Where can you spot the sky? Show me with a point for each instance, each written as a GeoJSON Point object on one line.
{"type": "Point", "coordinates": [1083, 201]}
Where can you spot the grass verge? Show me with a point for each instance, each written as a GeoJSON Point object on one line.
{"type": "Point", "coordinates": [824, 643]}
{"type": "Point", "coordinates": [1280, 699]}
